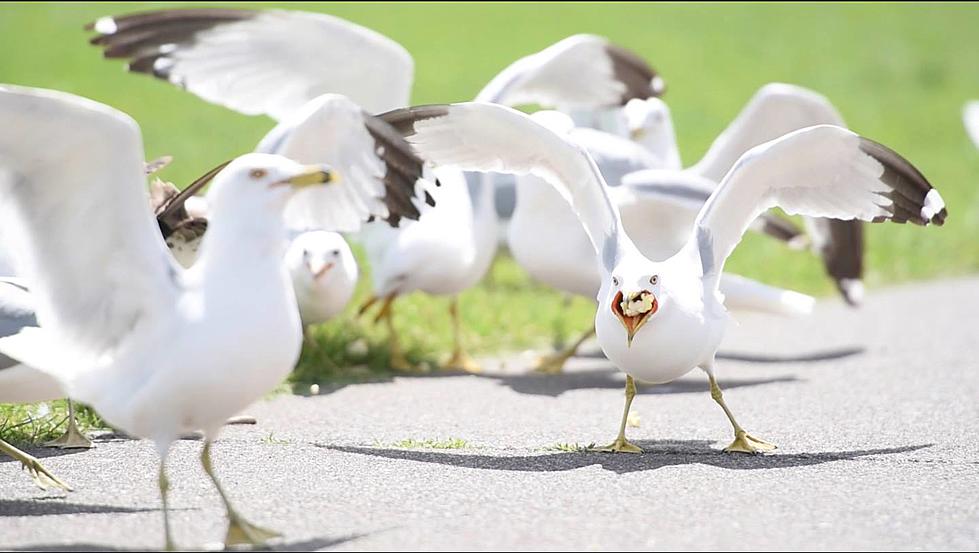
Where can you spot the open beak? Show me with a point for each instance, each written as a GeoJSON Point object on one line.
{"type": "Point", "coordinates": [323, 269]}
{"type": "Point", "coordinates": [633, 311]}
{"type": "Point", "coordinates": [312, 175]}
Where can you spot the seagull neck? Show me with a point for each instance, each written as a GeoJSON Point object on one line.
{"type": "Point", "coordinates": [236, 241]}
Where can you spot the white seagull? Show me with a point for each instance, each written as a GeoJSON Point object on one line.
{"type": "Point", "coordinates": [659, 319]}
{"type": "Point", "coordinates": [112, 313]}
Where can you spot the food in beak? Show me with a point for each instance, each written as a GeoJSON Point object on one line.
{"type": "Point", "coordinates": [633, 311]}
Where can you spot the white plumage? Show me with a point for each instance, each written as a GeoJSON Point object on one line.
{"type": "Point", "coordinates": [113, 311]}
{"type": "Point", "coordinates": [818, 171]}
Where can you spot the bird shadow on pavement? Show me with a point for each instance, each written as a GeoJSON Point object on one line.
{"type": "Point", "coordinates": [43, 453]}
{"type": "Point", "coordinates": [605, 379]}
{"type": "Point", "coordinates": [35, 508]}
{"type": "Point", "coordinates": [658, 454]}
{"type": "Point", "coordinates": [809, 357]}
{"type": "Point", "coordinates": [313, 544]}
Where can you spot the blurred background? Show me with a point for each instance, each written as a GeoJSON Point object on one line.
{"type": "Point", "coordinates": [898, 73]}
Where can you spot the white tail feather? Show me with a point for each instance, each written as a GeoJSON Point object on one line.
{"type": "Point", "coordinates": [744, 294]}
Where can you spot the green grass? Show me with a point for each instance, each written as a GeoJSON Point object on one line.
{"type": "Point", "coordinates": [569, 448]}
{"type": "Point", "coordinates": [899, 73]}
{"type": "Point", "coordinates": [429, 443]}
{"type": "Point", "coordinates": [41, 423]}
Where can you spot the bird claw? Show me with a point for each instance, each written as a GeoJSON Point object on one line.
{"type": "Point", "coordinates": [551, 364]}
{"type": "Point", "coordinates": [72, 439]}
{"type": "Point", "coordinates": [242, 532]}
{"type": "Point", "coordinates": [461, 361]}
{"type": "Point", "coordinates": [746, 443]}
{"type": "Point", "coordinates": [42, 478]}
{"type": "Point", "coordinates": [620, 445]}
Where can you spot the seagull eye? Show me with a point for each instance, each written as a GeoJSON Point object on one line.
{"type": "Point", "coordinates": [257, 173]}
{"type": "Point", "coordinates": [654, 280]}
{"type": "Point", "coordinates": [615, 281]}
{"type": "Point", "coordinates": [336, 252]}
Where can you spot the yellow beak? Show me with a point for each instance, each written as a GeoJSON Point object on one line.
{"type": "Point", "coordinates": [312, 175]}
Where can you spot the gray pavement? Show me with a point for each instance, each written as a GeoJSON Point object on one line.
{"type": "Point", "coordinates": [875, 411]}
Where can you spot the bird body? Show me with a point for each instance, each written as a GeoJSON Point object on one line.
{"type": "Point", "coordinates": [324, 274]}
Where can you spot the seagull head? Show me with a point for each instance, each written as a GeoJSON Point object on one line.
{"type": "Point", "coordinates": [649, 123]}
{"type": "Point", "coordinates": [262, 181]}
{"type": "Point", "coordinates": [317, 254]}
{"type": "Point", "coordinates": [634, 300]}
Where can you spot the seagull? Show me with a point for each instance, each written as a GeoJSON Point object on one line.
{"type": "Point", "coordinates": [113, 309]}
{"type": "Point", "coordinates": [324, 275]}
{"type": "Point", "coordinates": [547, 240]}
{"type": "Point", "coordinates": [323, 268]}
{"type": "Point", "coordinates": [659, 319]}
{"type": "Point", "coordinates": [970, 117]}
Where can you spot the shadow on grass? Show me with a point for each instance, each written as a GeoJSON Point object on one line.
{"type": "Point", "coordinates": [304, 545]}
{"type": "Point", "coordinates": [658, 454]}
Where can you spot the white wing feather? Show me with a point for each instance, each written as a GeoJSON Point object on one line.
{"type": "Point", "coordinates": [276, 61]}
{"type": "Point", "coordinates": [776, 109]}
{"type": "Point", "coordinates": [575, 72]}
{"type": "Point", "coordinates": [77, 220]}
{"type": "Point", "coordinates": [821, 171]}
{"type": "Point", "coordinates": [488, 137]}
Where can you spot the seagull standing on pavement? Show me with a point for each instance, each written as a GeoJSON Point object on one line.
{"type": "Point", "coordinates": [659, 319]}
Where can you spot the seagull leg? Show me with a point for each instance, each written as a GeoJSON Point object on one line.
{"type": "Point", "coordinates": [39, 474]}
{"type": "Point", "coordinates": [621, 444]}
{"type": "Point", "coordinates": [743, 442]}
{"type": "Point", "coordinates": [366, 305]}
{"type": "Point", "coordinates": [460, 359]}
{"type": "Point", "coordinates": [73, 438]}
{"type": "Point", "coordinates": [398, 360]}
{"type": "Point", "coordinates": [554, 363]}
{"type": "Point", "coordinates": [240, 531]}
{"type": "Point", "coordinates": [164, 483]}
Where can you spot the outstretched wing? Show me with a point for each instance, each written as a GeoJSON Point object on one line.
{"type": "Point", "coordinates": [776, 109]}
{"type": "Point", "coordinates": [580, 71]}
{"type": "Point", "coordinates": [261, 61]}
{"type": "Point", "coordinates": [382, 174]}
{"type": "Point", "coordinates": [821, 171]}
{"type": "Point", "coordinates": [970, 117]}
{"type": "Point", "coordinates": [76, 218]}
{"type": "Point", "coordinates": [490, 137]}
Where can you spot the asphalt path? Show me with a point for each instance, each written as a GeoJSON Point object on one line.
{"type": "Point", "coordinates": [875, 412]}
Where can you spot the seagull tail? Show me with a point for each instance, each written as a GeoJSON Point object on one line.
{"type": "Point", "coordinates": [744, 294]}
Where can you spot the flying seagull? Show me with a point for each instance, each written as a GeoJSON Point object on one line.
{"type": "Point", "coordinates": [114, 308]}
{"type": "Point", "coordinates": [659, 319]}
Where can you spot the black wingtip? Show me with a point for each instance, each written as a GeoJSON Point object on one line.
{"type": "Point", "coordinates": [640, 79]}
{"type": "Point", "coordinates": [912, 195]}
